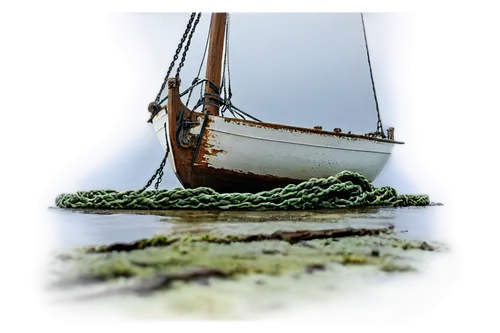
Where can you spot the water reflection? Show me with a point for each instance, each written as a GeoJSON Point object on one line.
{"type": "Point", "coordinates": [74, 228]}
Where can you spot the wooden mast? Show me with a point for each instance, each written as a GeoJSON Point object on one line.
{"type": "Point", "coordinates": [215, 55]}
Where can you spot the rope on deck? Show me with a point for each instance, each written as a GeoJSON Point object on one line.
{"type": "Point", "coordinates": [346, 189]}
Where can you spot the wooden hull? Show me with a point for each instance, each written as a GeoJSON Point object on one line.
{"type": "Point", "coordinates": [232, 155]}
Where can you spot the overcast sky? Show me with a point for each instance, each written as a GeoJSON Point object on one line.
{"type": "Point", "coordinates": [296, 69]}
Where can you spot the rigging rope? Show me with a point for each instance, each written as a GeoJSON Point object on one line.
{"type": "Point", "coordinates": [197, 79]}
{"type": "Point", "coordinates": [176, 56]}
{"type": "Point", "coordinates": [380, 129]}
{"type": "Point", "coordinates": [346, 189]}
{"type": "Point", "coordinates": [155, 107]}
{"type": "Point", "coordinates": [186, 48]}
{"type": "Point", "coordinates": [217, 100]}
{"type": "Point", "coordinates": [228, 94]}
{"type": "Point", "coordinates": [205, 98]}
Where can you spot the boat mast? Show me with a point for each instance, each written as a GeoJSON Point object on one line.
{"type": "Point", "coordinates": [214, 61]}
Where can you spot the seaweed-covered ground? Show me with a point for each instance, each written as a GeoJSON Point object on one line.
{"type": "Point", "coordinates": [224, 268]}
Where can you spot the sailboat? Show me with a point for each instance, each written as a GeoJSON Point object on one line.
{"type": "Point", "coordinates": [229, 154]}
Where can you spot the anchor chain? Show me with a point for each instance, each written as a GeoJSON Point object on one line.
{"type": "Point", "coordinates": [176, 56]}
{"type": "Point", "coordinates": [155, 107]}
{"type": "Point", "coordinates": [186, 48]}
{"type": "Point", "coordinates": [159, 171]}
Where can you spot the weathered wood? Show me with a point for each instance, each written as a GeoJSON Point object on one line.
{"type": "Point", "coordinates": [215, 55]}
{"type": "Point", "coordinates": [214, 161]}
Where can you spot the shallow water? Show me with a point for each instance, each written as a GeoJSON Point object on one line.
{"type": "Point", "coordinates": [78, 228]}
{"type": "Point", "coordinates": [349, 290]}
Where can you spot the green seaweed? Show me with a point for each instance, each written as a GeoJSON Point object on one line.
{"type": "Point", "coordinates": [265, 279]}
{"type": "Point", "coordinates": [345, 189]}
{"type": "Point", "coordinates": [291, 237]}
{"type": "Point", "coordinates": [165, 255]}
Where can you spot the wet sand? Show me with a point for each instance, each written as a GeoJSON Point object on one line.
{"type": "Point", "coordinates": [245, 280]}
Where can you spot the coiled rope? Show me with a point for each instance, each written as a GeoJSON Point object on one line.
{"type": "Point", "coordinates": [346, 189]}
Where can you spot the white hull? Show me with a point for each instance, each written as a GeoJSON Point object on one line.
{"type": "Point", "coordinates": [281, 151]}
{"type": "Point", "coordinates": [160, 124]}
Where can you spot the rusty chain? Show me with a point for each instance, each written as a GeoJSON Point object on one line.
{"type": "Point", "coordinates": [176, 56]}
{"type": "Point", "coordinates": [155, 107]}
{"type": "Point", "coordinates": [159, 171]}
{"type": "Point", "coordinates": [186, 48]}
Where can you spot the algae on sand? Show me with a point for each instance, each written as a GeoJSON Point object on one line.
{"type": "Point", "coordinates": [214, 272]}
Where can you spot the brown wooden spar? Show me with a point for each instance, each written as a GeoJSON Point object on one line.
{"type": "Point", "coordinates": [214, 60]}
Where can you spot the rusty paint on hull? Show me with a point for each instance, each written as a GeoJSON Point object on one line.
{"type": "Point", "coordinates": [308, 130]}
{"type": "Point", "coordinates": [228, 181]}
{"type": "Point", "coordinates": [194, 151]}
